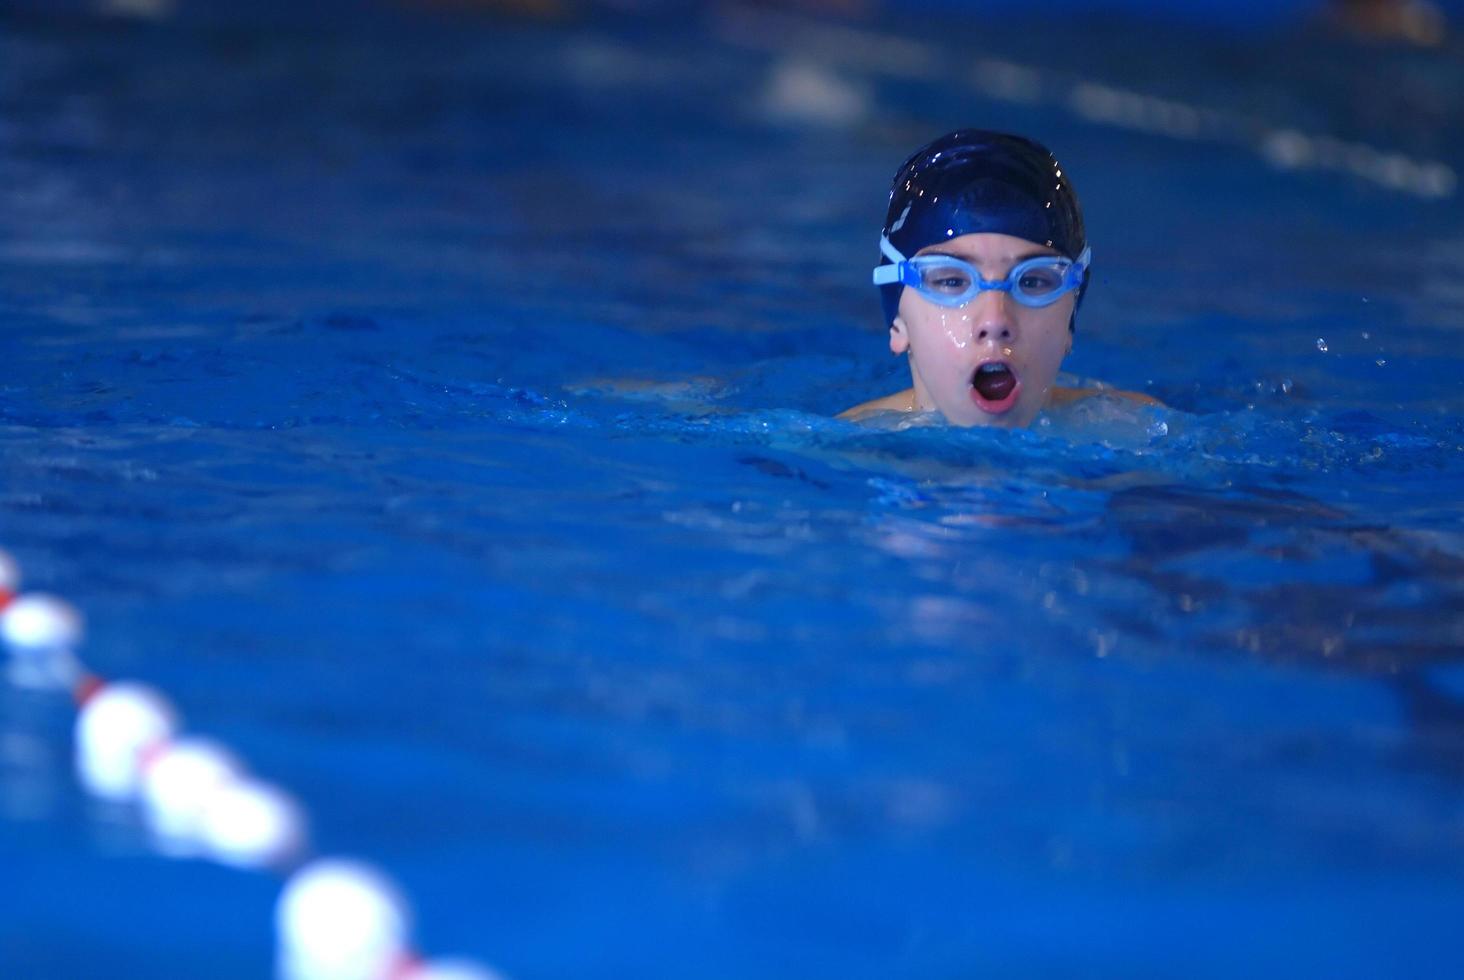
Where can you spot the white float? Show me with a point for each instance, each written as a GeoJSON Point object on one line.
{"type": "Point", "coordinates": [178, 787]}
{"type": "Point", "coordinates": [117, 729]}
{"type": "Point", "coordinates": [41, 632]}
{"type": "Point", "coordinates": [341, 920]}
{"type": "Point", "coordinates": [249, 824]}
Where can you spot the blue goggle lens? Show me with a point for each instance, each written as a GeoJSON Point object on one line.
{"type": "Point", "coordinates": [953, 282]}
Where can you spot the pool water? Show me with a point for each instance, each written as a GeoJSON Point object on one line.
{"type": "Point", "coordinates": [439, 408]}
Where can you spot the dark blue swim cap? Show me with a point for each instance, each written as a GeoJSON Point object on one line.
{"type": "Point", "coordinates": [973, 181]}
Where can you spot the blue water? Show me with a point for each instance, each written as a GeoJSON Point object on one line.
{"type": "Point", "coordinates": [438, 408]}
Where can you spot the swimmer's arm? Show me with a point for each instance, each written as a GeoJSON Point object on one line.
{"type": "Point", "coordinates": [900, 401]}
{"type": "Point", "coordinates": [1066, 396]}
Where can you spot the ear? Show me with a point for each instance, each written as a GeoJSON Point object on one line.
{"type": "Point", "coordinates": [899, 337]}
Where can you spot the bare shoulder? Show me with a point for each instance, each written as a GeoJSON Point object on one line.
{"type": "Point", "coordinates": [900, 401]}
{"type": "Point", "coordinates": [1066, 396]}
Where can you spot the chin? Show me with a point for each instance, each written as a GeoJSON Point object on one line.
{"type": "Point", "coordinates": [968, 416]}
{"type": "Point", "coordinates": [978, 420]}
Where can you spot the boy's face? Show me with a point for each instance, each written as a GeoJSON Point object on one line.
{"type": "Point", "coordinates": [1020, 347]}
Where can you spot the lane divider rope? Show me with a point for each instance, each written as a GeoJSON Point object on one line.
{"type": "Point", "coordinates": [335, 919]}
{"type": "Point", "coordinates": [1286, 148]}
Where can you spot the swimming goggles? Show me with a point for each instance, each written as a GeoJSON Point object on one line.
{"type": "Point", "coordinates": [949, 281]}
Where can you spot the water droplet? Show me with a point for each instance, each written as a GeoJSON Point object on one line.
{"type": "Point", "coordinates": [1286, 385]}
{"type": "Point", "coordinates": [1366, 335]}
{"type": "Point", "coordinates": [1322, 344]}
{"type": "Point", "coordinates": [1381, 361]}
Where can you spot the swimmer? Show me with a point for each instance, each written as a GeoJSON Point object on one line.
{"type": "Point", "coordinates": [986, 231]}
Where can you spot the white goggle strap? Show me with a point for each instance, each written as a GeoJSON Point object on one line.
{"type": "Point", "coordinates": [886, 275]}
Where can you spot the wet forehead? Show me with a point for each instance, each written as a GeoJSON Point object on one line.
{"type": "Point", "coordinates": [985, 248]}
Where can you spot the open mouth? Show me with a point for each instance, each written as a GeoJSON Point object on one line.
{"type": "Point", "coordinates": [994, 387]}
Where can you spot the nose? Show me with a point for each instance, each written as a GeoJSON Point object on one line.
{"type": "Point", "coordinates": [993, 317]}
